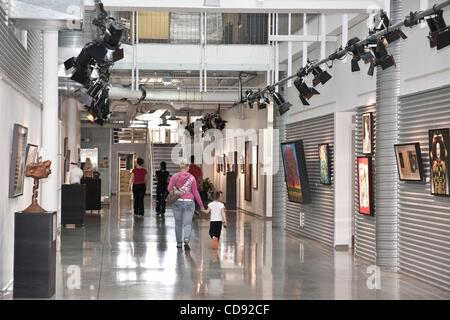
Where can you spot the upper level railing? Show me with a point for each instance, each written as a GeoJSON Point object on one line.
{"type": "Point", "coordinates": [186, 28]}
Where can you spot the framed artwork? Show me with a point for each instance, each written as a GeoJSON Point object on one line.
{"type": "Point", "coordinates": [248, 172]}
{"type": "Point", "coordinates": [409, 162]}
{"type": "Point", "coordinates": [295, 173]}
{"type": "Point", "coordinates": [365, 187]}
{"type": "Point", "coordinates": [18, 160]}
{"type": "Point", "coordinates": [324, 164]}
{"type": "Point", "coordinates": [225, 164]}
{"type": "Point", "coordinates": [32, 154]}
{"type": "Point", "coordinates": [217, 164]}
{"type": "Point", "coordinates": [367, 132]}
{"type": "Point", "coordinates": [67, 161]}
{"type": "Point", "coordinates": [66, 146]}
{"type": "Point", "coordinates": [255, 167]}
{"type": "Point", "coordinates": [439, 142]}
{"type": "Point", "coordinates": [242, 164]}
{"type": "Point", "coordinates": [235, 161]}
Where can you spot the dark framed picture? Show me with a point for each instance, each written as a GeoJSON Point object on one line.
{"type": "Point", "coordinates": [235, 161]}
{"type": "Point", "coordinates": [217, 164]}
{"type": "Point", "coordinates": [32, 154]}
{"type": "Point", "coordinates": [255, 165]}
{"type": "Point", "coordinates": [324, 164]}
{"type": "Point", "coordinates": [248, 171]}
{"type": "Point", "coordinates": [18, 160]}
{"type": "Point", "coordinates": [409, 162]}
{"type": "Point", "coordinates": [242, 164]}
{"type": "Point", "coordinates": [225, 164]}
{"type": "Point", "coordinates": [439, 142]}
{"type": "Point", "coordinates": [295, 173]}
{"type": "Point", "coordinates": [365, 187]}
{"type": "Point", "coordinates": [367, 133]}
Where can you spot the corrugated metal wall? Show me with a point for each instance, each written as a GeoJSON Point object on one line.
{"type": "Point", "coordinates": [279, 197]}
{"type": "Point", "coordinates": [424, 219]}
{"type": "Point", "coordinates": [22, 66]}
{"type": "Point", "coordinates": [317, 217]}
{"type": "Point", "coordinates": [364, 227]}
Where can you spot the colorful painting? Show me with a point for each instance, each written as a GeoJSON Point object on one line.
{"type": "Point", "coordinates": [439, 142]}
{"type": "Point", "coordinates": [18, 160]}
{"type": "Point", "coordinates": [295, 172]}
{"type": "Point", "coordinates": [409, 162]}
{"type": "Point", "coordinates": [324, 164]}
{"type": "Point", "coordinates": [367, 132]}
{"type": "Point", "coordinates": [365, 195]}
{"type": "Point", "coordinates": [248, 172]}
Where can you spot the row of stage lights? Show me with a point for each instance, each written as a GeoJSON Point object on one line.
{"type": "Point", "coordinates": [372, 51]}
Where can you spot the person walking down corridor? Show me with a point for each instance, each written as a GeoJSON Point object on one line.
{"type": "Point", "coordinates": [138, 186]}
{"type": "Point", "coordinates": [162, 180]}
{"type": "Point", "coordinates": [183, 208]}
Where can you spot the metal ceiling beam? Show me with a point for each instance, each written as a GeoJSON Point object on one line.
{"type": "Point", "coordinates": [243, 6]}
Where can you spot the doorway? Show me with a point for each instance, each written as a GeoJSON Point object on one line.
{"type": "Point", "coordinates": [125, 164]}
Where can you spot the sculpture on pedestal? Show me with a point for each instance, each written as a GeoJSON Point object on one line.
{"type": "Point", "coordinates": [37, 171]}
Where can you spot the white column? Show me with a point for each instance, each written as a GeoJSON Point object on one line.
{"type": "Point", "coordinates": [305, 44]}
{"type": "Point", "coordinates": [73, 125]}
{"type": "Point", "coordinates": [343, 163]}
{"type": "Point", "coordinates": [50, 124]}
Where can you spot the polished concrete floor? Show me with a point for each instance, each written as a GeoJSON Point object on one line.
{"type": "Point", "coordinates": [116, 256]}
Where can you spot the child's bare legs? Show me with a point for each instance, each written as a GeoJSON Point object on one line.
{"type": "Point", "coordinates": [214, 243]}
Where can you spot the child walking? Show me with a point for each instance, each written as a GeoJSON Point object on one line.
{"type": "Point", "coordinates": [217, 220]}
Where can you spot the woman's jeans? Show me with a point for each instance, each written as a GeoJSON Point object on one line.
{"type": "Point", "coordinates": [139, 195]}
{"type": "Point", "coordinates": [183, 212]}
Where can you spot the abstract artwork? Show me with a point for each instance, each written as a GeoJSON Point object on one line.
{"type": "Point", "coordinates": [295, 173]}
{"type": "Point", "coordinates": [409, 162]}
{"type": "Point", "coordinates": [367, 132]}
{"type": "Point", "coordinates": [18, 159]}
{"type": "Point", "coordinates": [324, 164]}
{"type": "Point", "coordinates": [255, 166]}
{"type": "Point", "coordinates": [439, 142]}
{"type": "Point", "coordinates": [248, 172]}
{"type": "Point", "coordinates": [365, 196]}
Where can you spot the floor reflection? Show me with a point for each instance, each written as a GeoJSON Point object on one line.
{"type": "Point", "coordinates": [121, 257]}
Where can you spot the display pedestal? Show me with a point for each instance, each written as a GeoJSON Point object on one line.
{"type": "Point", "coordinates": [231, 190]}
{"type": "Point", "coordinates": [93, 193]}
{"type": "Point", "coordinates": [73, 204]}
{"type": "Point", "coordinates": [34, 255]}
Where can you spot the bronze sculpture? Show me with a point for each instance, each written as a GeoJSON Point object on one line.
{"type": "Point", "coordinates": [37, 171]}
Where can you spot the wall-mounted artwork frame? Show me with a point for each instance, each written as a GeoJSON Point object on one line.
{"type": "Point", "coordinates": [18, 161]}
{"type": "Point", "coordinates": [218, 164]}
{"type": "Point", "coordinates": [296, 176]}
{"type": "Point", "coordinates": [255, 161]}
{"type": "Point", "coordinates": [367, 132]}
{"type": "Point", "coordinates": [409, 162]}
{"type": "Point", "coordinates": [439, 142]}
{"type": "Point", "coordinates": [365, 186]}
{"type": "Point", "coordinates": [248, 171]}
{"type": "Point", "coordinates": [32, 154]}
{"type": "Point", "coordinates": [324, 164]}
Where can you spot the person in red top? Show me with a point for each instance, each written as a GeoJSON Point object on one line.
{"type": "Point", "coordinates": [137, 184]}
{"type": "Point", "coordinates": [197, 172]}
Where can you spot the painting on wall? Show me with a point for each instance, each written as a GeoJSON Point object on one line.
{"type": "Point", "coordinates": [295, 173]}
{"type": "Point", "coordinates": [217, 160]}
{"type": "Point", "coordinates": [324, 164]}
{"type": "Point", "coordinates": [409, 162]}
{"type": "Point", "coordinates": [242, 164]}
{"type": "Point", "coordinates": [32, 154]}
{"type": "Point", "coordinates": [367, 132]}
{"type": "Point", "coordinates": [225, 163]}
{"type": "Point", "coordinates": [248, 172]}
{"type": "Point", "coordinates": [365, 195]}
{"type": "Point", "coordinates": [439, 142]}
{"type": "Point", "coordinates": [255, 166]}
{"type": "Point", "coordinates": [18, 161]}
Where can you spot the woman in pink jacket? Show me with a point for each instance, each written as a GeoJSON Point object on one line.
{"type": "Point", "coordinates": [183, 208]}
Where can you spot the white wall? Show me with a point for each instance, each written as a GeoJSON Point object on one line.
{"type": "Point", "coordinates": [14, 108]}
{"type": "Point", "coordinates": [253, 119]}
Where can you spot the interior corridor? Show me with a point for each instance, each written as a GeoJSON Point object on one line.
{"type": "Point", "coordinates": [132, 258]}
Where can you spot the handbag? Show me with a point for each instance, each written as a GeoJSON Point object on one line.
{"type": "Point", "coordinates": [176, 193]}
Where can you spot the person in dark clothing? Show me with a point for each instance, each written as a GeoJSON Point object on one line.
{"type": "Point", "coordinates": [162, 180]}
{"type": "Point", "coordinates": [137, 185]}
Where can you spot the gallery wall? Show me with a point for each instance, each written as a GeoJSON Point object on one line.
{"type": "Point", "coordinates": [15, 108]}
{"type": "Point", "coordinates": [248, 119]}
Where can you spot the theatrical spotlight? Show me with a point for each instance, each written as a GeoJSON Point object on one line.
{"type": "Point", "coordinates": [219, 122]}
{"type": "Point", "coordinates": [262, 101]}
{"type": "Point", "coordinates": [249, 98]}
{"type": "Point", "coordinates": [439, 31]}
{"type": "Point", "coordinates": [320, 76]}
{"type": "Point", "coordinates": [383, 58]}
{"type": "Point", "coordinates": [306, 92]}
{"type": "Point", "coordinates": [283, 105]}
